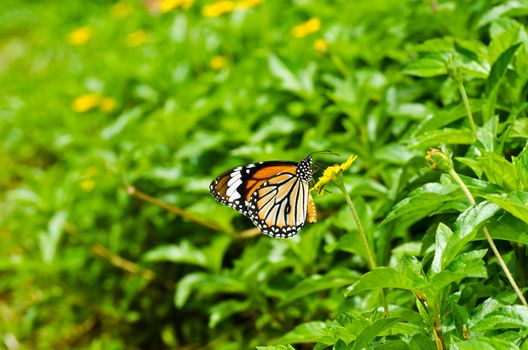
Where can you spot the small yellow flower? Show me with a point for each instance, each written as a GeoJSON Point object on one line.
{"type": "Point", "coordinates": [321, 46]}
{"type": "Point", "coordinates": [121, 9]}
{"type": "Point", "coordinates": [85, 102]}
{"type": "Point", "coordinates": [246, 4]}
{"type": "Point", "coordinates": [218, 62]}
{"type": "Point", "coordinates": [80, 36]}
{"type": "Point", "coordinates": [439, 159]}
{"type": "Point", "coordinates": [137, 38]}
{"type": "Point", "coordinates": [310, 26]}
{"type": "Point", "coordinates": [88, 185]}
{"type": "Point", "coordinates": [218, 8]}
{"type": "Point", "coordinates": [107, 104]}
{"type": "Point", "coordinates": [167, 5]}
{"type": "Point", "coordinates": [331, 173]}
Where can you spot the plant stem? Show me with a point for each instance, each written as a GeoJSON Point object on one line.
{"type": "Point", "coordinates": [516, 288]}
{"type": "Point", "coordinates": [366, 246]}
{"type": "Point", "coordinates": [472, 124]}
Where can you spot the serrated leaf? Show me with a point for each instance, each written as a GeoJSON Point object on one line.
{"type": "Point", "coordinates": [521, 166]}
{"type": "Point", "coordinates": [335, 279]}
{"type": "Point", "coordinates": [499, 171]}
{"type": "Point", "coordinates": [370, 332]}
{"type": "Point", "coordinates": [508, 316]}
{"type": "Point", "coordinates": [498, 69]}
{"type": "Point", "coordinates": [310, 332]}
{"type": "Point", "coordinates": [423, 200]}
{"type": "Point", "coordinates": [426, 67]}
{"type": "Point", "coordinates": [443, 235]}
{"type": "Point", "coordinates": [508, 228]}
{"type": "Point", "coordinates": [444, 117]}
{"type": "Point", "coordinates": [484, 343]}
{"type": "Point", "coordinates": [515, 202]}
{"type": "Point", "coordinates": [381, 277]}
{"type": "Point", "coordinates": [466, 265]}
{"type": "Point", "coordinates": [466, 227]}
{"type": "Point", "coordinates": [446, 135]}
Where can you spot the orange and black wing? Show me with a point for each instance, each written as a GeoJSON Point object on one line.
{"type": "Point", "coordinates": [279, 207]}
{"type": "Point", "coordinates": [274, 195]}
{"type": "Point", "coordinates": [235, 187]}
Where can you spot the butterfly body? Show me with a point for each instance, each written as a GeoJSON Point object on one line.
{"type": "Point", "coordinates": [274, 195]}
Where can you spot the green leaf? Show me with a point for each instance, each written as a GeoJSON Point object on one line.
{"type": "Point", "coordinates": [499, 171]}
{"type": "Point", "coordinates": [466, 265]}
{"type": "Point", "coordinates": [515, 202]}
{"type": "Point", "coordinates": [466, 227]}
{"type": "Point", "coordinates": [49, 241]}
{"type": "Point", "coordinates": [301, 84]}
{"type": "Point", "coordinates": [498, 69]}
{"type": "Point", "coordinates": [276, 347]}
{"type": "Point", "coordinates": [370, 332]}
{"type": "Point", "coordinates": [483, 343]}
{"type": "Point", "coordinates": [205, 284]}
{"type": "Point", "coordinates": [521, 166]}
{"type": "Point", "coordinates": [443, 235]}
{"type": "Point", "coordinates": [446, 116]}
{"type": "Point", "coordinates": [508, 228]}
{"type": "Point", "coordinates": [223, 310]}
{"type": "Point", "coordinates": [508, 316]}
{"type": "Point", "coordinates": [424, 200]}
{"type": "Point", "coordinates": [430, 66]}
{"type": "Point", "coordinates": [310, 332]}
{"type": "Point", "coordinates": [446, 135]}
{"type": "Point", "coordinates": [333, 280]}
{"type": "Point", "coordinates": [381, 277]}
{"type": "Point", "coordinates": [185, 253]}
{"type": "Point", "coordinates": [503, 9]}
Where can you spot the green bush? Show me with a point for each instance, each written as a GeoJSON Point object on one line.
{"type": "Point", "coordinates": [107, 109]}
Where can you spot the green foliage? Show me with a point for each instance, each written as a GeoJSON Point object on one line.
{"type": "Point", "coordinates": [98, 96]}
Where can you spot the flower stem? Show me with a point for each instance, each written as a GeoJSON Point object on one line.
{"type": "Point", "coordinates": [370, 257]}
{"type": "Point", "coordinates": [516, 288]}
{"type": "Point", "coordinates": [471, 121]}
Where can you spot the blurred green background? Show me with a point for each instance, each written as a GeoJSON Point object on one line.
{"type": "Point", "coordinates": [164, 95]}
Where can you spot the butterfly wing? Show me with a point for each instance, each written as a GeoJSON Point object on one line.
{"type": "Point", "coordinates": [279, 206]}
{"type": "Point", "coordinates": [235, 187]}
{"type": "Point", "coordinates": [274, 195]}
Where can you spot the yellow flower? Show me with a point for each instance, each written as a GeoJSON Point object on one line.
{"type": "Point", "coordinates": [218, 62]}
{"type": "Point", "coordinates": [121, 10]}
{"type": "Point", "coordinates": [321, 46]}
{"type": "Point", "coordinates": [107, 104]}
{"type": "Point", "coordinates": [310, 26]}
{"type": "Point", "coordinates": [218, 8]}
{"type": "Point", "coordinates": [80, 36]}
{"type": "Point", "coordinates": [439, 159]}
{"type": "Point", "coordinates": [167, 5]}
{"type": "Point", "coordinates": [137, 38]}
{"type": "Point", "coordinates": [85, 102]}
{"type": "Point", "coordinates": [88, 185]}
{"type": "Point", "coordinates": [246, 4]}
{"type": "Point", "coordinates": [331, 173]}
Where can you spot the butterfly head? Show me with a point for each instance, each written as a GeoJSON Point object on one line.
{"type": "Point", "coordinates": [304, 169]}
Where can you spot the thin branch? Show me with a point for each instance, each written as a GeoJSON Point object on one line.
{"type": "Point", "coordinates": [190, 216]}
{"type": "Point", "coordinates": [503, 265]}
{"type": "Point", "coordinates": [366, 246]}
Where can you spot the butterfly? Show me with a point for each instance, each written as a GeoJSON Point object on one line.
{"type": "Point", "coordinates": [275, 195]}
